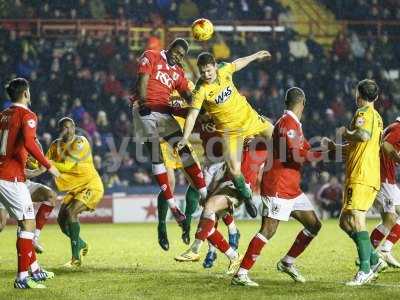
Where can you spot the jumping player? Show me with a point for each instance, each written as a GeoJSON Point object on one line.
{"type": "Point", "coordinates": [234, 117]}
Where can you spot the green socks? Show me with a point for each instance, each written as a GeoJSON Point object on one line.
{"type": "Point", "coordinates": [162, 208]}
{"type": "Point", "coordinates": [74, 229]}
{"type": "Point", "coordinates": [240, 185]}
{"type": "Point", "coordinates": [364, 249]}
{"type": "Point", "coordinates": [192, 197]}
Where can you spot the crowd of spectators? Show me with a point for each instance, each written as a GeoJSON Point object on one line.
{"type": "Point", "coordinates": [142, 11]}
{"type": "Point", "coordinates": [362, 10]}
{"type": "Point", "coordinates": [90, 79]}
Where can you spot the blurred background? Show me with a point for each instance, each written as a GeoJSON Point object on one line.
{"type": "Point", "coordinates": [80, 57]}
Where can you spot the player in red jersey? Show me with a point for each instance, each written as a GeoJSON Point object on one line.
{"type": "Point", "coordinates": [281, 193]}
{"type": "Point", "coordinates": [388, 198]}
{"type": "Point", "coordinates": [17, 139]}
{"type": "Point", "coordinates": [159, 74]}
{"type": "Point", "coordinates": [224, 198]}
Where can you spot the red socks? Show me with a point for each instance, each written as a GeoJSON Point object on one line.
{"type": "Point", "coordinates": [206, 224]}
{"type": "Point", "coordinates": [196, 175]}
{"type": "Point", "coordinates": [217, 240]}
{"type": "Point", "coordinates": [378, 234]}
{"type": "Point", "coordinates": [253, 251]}
{"type": "Point", "coordinates": [394, 234]}
{"type": "Point", "coordinates": [42, 215]}
{"type": "Point", "coordinates": [25, 252]}
{"type": "Point", "coordinates": [160, 174]}
{"type": "Point", "coordinates": [302, 240]}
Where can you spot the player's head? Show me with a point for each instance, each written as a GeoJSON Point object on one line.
{"type": "Point", "coordinates": [18, 91]}
{"type": "Point", "coordinates": [207, 67]}
{"type": "Point", "coordinates": [295, 99]}
{"type": "Point", "coordinates": [177, 51]}
{"type": "Point", "coordinates": [67, 128]}
{"type": "Point", "coordinates": [367, 90]}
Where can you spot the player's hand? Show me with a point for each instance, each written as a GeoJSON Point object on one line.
{"type": "Point", "coordinates": [263, 55]}
{"type": "Point", "coordinates": [327, 144]}
{"type": "Point", "coordinates": [182, 143]}
{"type": "Point", "coordinates": [54, 171]}
{"type": "Point", "coordinates": [341, 131]}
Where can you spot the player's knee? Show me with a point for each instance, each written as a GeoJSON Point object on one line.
{"type": "Point", "coordinates": [2, 225]}
{"type": "Point", "coordinates": [27, 225]}
{"type": "Point", "coordinates": [52, 197]}
{"type": "Point", "coordinates": [315, 228]}
{"type": "Point", "coordinates": [389, 220]}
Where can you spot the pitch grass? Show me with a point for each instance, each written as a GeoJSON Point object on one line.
{"type": "Point", "coordinates": [125, 262]}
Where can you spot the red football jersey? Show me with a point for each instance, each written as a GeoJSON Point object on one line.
{"type": "Point", "coordinates": [290, 151]}
{"type": "Point", "coordinates": [17, 139]}
{"type": "Point", "coordinates": [388, 166]}
{"type": "Point", "coordinates": [163, 79]}
{"type": "Point", "coordinates": [211, 140]}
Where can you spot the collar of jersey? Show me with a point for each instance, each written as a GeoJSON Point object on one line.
{"type": "Point", "coordinates": [20, 105]}
{"type": "Point", "coordinates": [292, 114]}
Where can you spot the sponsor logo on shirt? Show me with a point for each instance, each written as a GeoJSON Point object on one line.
{"type": "Point", "coordinates": [31, 123]}
{"type": "Point", "coordinates": [291, 133]}
{"type": "Point", "coordinates": [224, 95]}
{"type": "Point", "coordinates": [360, 121]}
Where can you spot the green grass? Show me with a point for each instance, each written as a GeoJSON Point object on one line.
{"type": "Point", "coordinates": [125, 262]}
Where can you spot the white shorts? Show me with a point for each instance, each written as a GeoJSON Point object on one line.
{"type": "Point", "coordinates": [16, 199]}
{"type": "Point", "coordinates": [154, 125]}
{"type": "Point", "coordinates": [387, 198]}
{"type": "Point", "coordinates": [280, 209]}
{"type": "Point", "coordinates": [213, 173]}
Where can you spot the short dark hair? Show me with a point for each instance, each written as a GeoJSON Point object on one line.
{"type": "Point", "coordinates": [368, 90]}
{"type": "Point", "coordinates": [205, 58]}
{"type": "Point", "coordinates": [63, 120]}
{"type": "Point", "coordinates": [16, 87]}
{"type": "Point", "coordinates": [294, 96]}
{"type": "Point", "coordinates": [179, 42]}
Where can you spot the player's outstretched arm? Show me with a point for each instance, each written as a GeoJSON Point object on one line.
{"type": "Point", "coordinates": [242, 62]}
{"type": "Point", "coordinates": [390, 151]}
{"type": "Point", "coordinates": [188, 128]}
{"type": "Point", "coordinates": [34, 173]}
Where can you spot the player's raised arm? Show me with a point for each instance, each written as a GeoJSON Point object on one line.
{"type": "Point", "coordinates": [242, 62]}
{"type": "Point", "coordinates": [188, 128]}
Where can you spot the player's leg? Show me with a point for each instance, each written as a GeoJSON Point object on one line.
{"type": "Point", "coordinates": [162, 208]}
{"type": "Point", "coordinates": [73, 209]}
{"type": "Point", "coordinates": [3, 217]}
{"type": "Point", "coordinates": [268, 228]}
{"type": "Point", "coordinates": [16, 199]}
{"type": "Point", "coordinates": [233, 149]}
{"type": "Point", "coordinates": [190, 165]}
{"type": "Point", "coordinates": [312, 225]}
{"type": "Point", "coordinates": [206, 230]}
{"type": "Point", "coordinates": [384, 205]}
{"type": "Point", "coordinates": [192, 198]}
{"type": "Point", "coordinates": [150, 128]}
{"type": "Point", "coordinates": [391, 239]}
{"type": "Point", "coordinates": [48, 199]}
{"type": "Point", "coordinates": [233, 232]}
